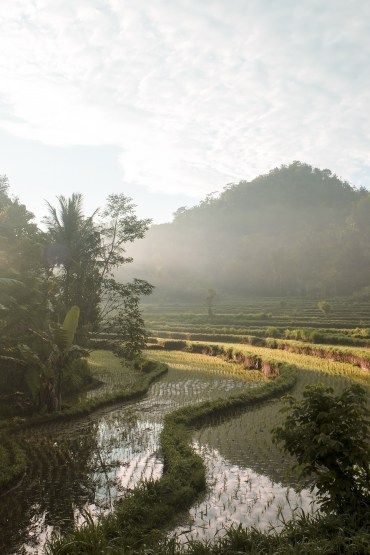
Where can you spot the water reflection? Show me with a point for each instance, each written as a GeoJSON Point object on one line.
{"type": "Point", "coordinates": [88, 464]}
{"type": "Point", "coordinates": [239, 495]}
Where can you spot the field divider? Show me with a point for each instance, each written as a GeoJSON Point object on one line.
{"type": "Point", "coordinates": [148, 510]}
{"type": "Point", "coordinates": [334, 354]}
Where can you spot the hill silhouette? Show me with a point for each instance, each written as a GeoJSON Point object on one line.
{"type": "Point", "coordinates": [297, 230]}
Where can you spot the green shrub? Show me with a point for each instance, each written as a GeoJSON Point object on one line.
{"type": "Point", "coordinates": [271, 343]}
{"type": "Point", "coordinates": [272, 331]}
{"type": "Point", "coordinates": [107, 344]}
{"type": "Point", "coordinates": [148, 365]}
{"type": "Point", "coordinates": [253, 340]}
{"type": "Point", "coordinates": [329, 436]}
{"type": "Point", "coordinates": [174, 345]}
{"type": "Point", "coordinates": [76, 376]}
{"type": "Point", "coordinates": [325, 307]}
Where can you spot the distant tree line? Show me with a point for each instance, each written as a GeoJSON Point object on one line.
{"type": "Point", "coordinates": [298, 230]}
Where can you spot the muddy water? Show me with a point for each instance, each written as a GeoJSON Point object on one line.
{"type": "Point", "coordinates": [88, 464]}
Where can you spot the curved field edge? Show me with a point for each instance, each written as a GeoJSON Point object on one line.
{"type": "Point", "coordinates": [142, 516]}
{"type": "Point", "coordinates": [13, 461]}
{"type": "Point", "coordinates": [270, 358]}
{"type": "Point", "coordinates": [348, 355]}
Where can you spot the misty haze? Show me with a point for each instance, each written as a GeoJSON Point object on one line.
{"type": "Point", "coordinates": [184, 277]}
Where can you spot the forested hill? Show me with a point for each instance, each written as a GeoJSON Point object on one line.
{"type": "Point", "coordinates": [296, 231]}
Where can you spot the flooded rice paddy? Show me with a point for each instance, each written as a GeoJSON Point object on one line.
{"type": "Point", "coordinates": [85, 466]}
{"type": "Point", "coordinates": [237, 494]}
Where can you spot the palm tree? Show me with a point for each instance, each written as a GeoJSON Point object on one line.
{"type": "Point", "coordinates": [73, 250]}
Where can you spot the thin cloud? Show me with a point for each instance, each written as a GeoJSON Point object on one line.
{"type": "Point", "coordinates": [196, 95]}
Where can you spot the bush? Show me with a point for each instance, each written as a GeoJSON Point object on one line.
{"type": "Point", "coordinates": [174, 345]}
{"type": "Point", "coordinates": [253, 340]}
{"type": "Point", "coordinates": [325, 307]}
{"type": "Point", "coordinates": [106, 344]}
{"type": "Point", "coordinates": [76, 376]}
{"type": "Point", "coordinates": [272, 331]}
{"type": "Point", "coordinates": [329, 436]}
{"type": "Point", "coordinates": [271, 343]}
{"type": "Point", "coordinates": [148, 366]}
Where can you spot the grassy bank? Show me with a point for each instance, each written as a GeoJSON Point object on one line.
{"type": "Point", "coordinates": [304, 535]}
{"type": "Point", "coordinates": [12, 462]}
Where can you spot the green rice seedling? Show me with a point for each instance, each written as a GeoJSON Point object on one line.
{"type": "Point", "coordinates": [125, 441]}
{"type": "Point", "coordinates": [154, 503]}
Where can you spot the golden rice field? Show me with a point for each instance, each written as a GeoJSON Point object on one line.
{"type": "Point", "coordinates": [249, 480]}
{"type": "Point", "coordinates": [308, 362]}
{"type": "Point", "coordinates": [192, 362]}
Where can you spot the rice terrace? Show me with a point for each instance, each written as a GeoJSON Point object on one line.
{"type": "Point", "coordinates": [200, 415]}
{"type": "Point", "coordinates": [184, 277]}
{"type": "Point", "coordinates": [218, 406]}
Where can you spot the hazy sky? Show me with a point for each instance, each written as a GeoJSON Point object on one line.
{"type": "Point", "coordinates": [168, 100]}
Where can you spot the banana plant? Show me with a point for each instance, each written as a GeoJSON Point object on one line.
{"type": "Point", "coordinates": [62, 353]}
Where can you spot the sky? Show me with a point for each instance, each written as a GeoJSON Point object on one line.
{"type": "Point", "coordinates": [167, 101]}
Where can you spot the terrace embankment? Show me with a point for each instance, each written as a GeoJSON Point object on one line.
{"type": "Point", "coordinates": [86, 463]}
{"type": "Point", "coordinates": [99, 460]}
{"type": "Point", "coordinates": [268, 353]}
{"type": "Point", "coordinates": [154, 504]}
{"type": "Point", "coordinates": [352, 356]}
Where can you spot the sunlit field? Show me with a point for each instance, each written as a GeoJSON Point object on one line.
{"type": "Point", "coordinates": [327, 368]}
{"type": "Point", "coordinates": [194, 363]}
{"type": "Point", "coordinates": [249, 481]}
{"type": "Point", "coordinates": [111, 372]}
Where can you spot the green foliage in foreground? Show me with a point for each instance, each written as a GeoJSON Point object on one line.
{"type": "Point", "coordinates": [69, 269]}
{"type": "Point", "coordinates": [329, 437]}
{"type": "Point", "coordinates": [12, 462]}
{"type": "Point", "coordinates": [141, 517]}
{"type": "Point", "coordinates": [304, 535]}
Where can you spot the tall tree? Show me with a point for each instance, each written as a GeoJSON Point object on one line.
{"type": "Point", "coordinates": [23, 299]}
{"type": "Point", "coordinates": [74, 244]}
{"type": "Point", "coordinates": [23, 305]}
{"type": "Point", "coordinates": [118, 226]}
{"type": "Point", "coordinates": [84, 253]}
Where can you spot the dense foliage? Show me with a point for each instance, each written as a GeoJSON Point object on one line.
{"type": "Point", "coordinates": [329, 436]}
{"type": "Point", "coordinates": [55, 288]}
{"type": "Point", "coordinates": [295, 231]}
